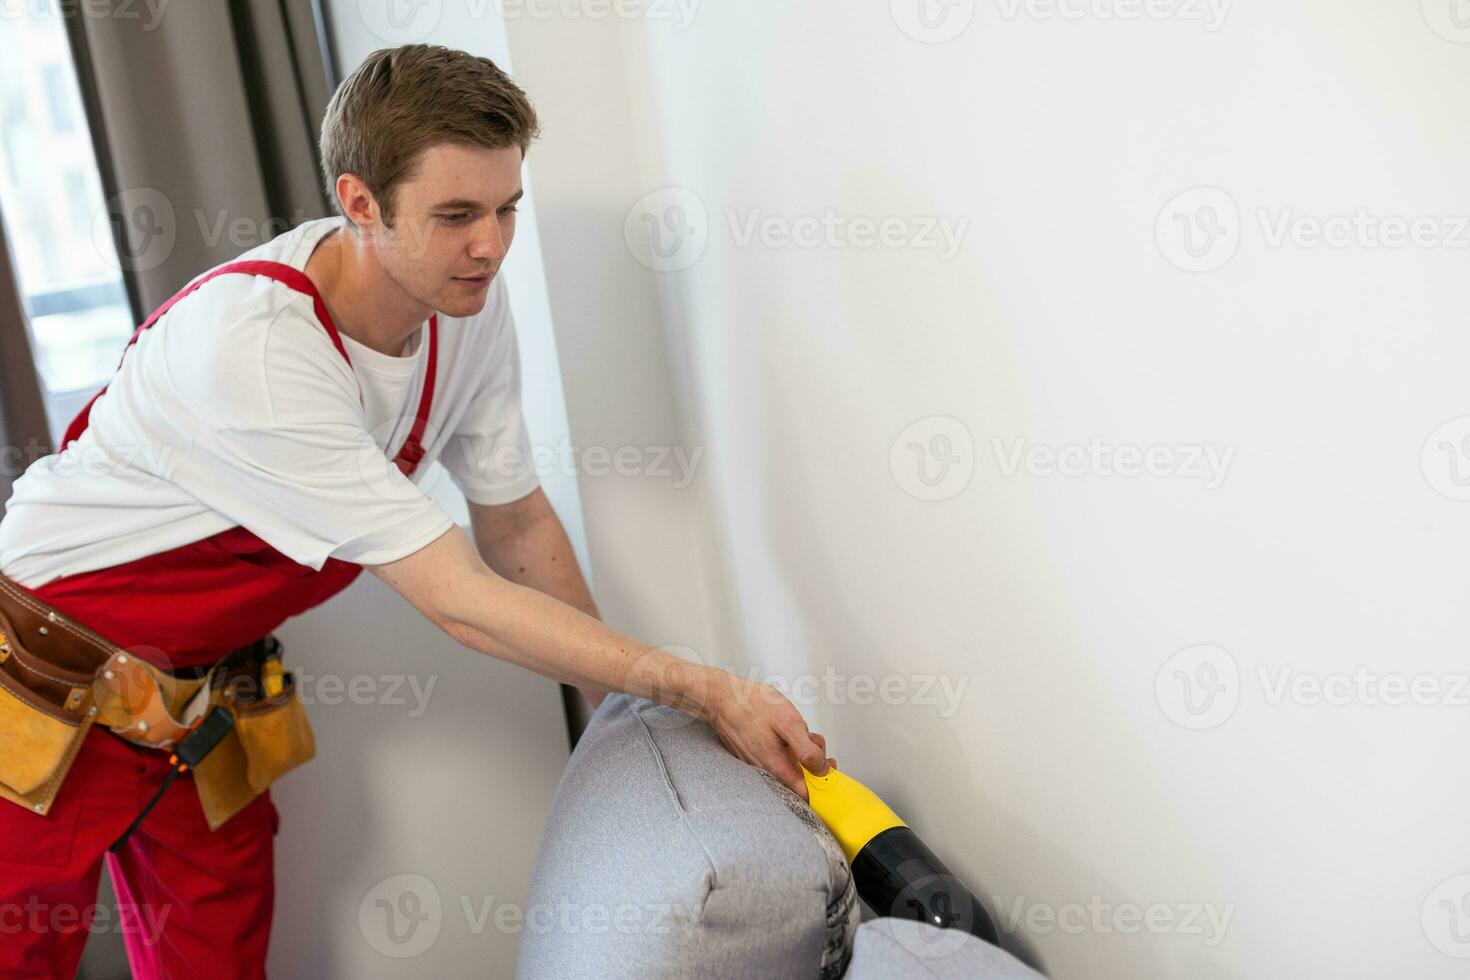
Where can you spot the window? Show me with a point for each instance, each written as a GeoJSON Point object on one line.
{"type": "Point", "coordinates": [51, 198]}
{"type": "Point", "coordinates": [58, 83]}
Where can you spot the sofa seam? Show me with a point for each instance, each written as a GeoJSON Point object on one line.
{"type": "Point", "coordinates": [683, 814]}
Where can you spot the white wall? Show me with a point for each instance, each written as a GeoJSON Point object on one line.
{"type": "Point", "coordinates": [406, 847]}
{"type": "Point", "coordinates": [1078, 774]}
{"type": "Point", "coordinates": [628, 391]}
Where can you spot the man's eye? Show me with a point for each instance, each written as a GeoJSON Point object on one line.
{"type": "Point", "coordinates": [454, 219]}
{"type": "Point", "coordinates": [509, 210]}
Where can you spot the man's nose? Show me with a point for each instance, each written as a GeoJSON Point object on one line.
{"type": "Point", "coordinates": [488, 244]}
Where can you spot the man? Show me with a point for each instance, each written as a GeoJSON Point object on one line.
{"type": "Point", "coordinates": [256, 449]}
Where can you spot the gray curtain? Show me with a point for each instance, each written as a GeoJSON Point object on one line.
{"type": "Point", "coordinates": [205, 122]}
{"type": "Point", "coordinates": [23, 428]}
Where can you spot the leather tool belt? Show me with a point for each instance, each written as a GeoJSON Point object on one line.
{"type": "Point", "coordinates": [58, 678]}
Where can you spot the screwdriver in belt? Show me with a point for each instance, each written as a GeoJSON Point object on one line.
{"type": "Point", "coordinates": [273, 676]}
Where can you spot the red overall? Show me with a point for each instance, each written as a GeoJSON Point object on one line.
{"type": "Point", "coordinates": [192, 902]}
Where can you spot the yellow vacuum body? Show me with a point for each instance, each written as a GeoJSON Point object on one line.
{"type": "Point", "coordinates": [895, 873]}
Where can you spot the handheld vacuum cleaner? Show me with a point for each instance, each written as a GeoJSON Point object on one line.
{"type": "Point", "coordinates": [895, 873]}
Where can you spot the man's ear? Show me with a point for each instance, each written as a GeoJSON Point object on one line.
{"type": "Point", "coordinates": [357, 202]}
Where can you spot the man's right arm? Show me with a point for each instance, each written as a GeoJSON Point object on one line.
{"type": "Point", "coordinates": [450, 584]}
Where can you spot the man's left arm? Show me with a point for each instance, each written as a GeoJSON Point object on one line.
{"type": "Point", "coordinates": [525, 542]}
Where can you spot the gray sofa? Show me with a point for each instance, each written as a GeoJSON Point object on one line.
{"type": "Point", "coordinates": [665, 856]}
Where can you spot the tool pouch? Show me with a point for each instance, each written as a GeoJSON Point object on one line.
{"type": "Point", "coordinates": [271, 737]}
{"type": "Point", "coordinates": [275, 735]}
{"type": "Point", "coordinates": [44, 718]}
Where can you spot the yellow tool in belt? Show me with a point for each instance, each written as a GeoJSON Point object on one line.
{"type": "Point", "coordinates": [273, 677]}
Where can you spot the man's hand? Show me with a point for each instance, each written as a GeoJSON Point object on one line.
{"type": "Point", "coordinates": [759, 725]}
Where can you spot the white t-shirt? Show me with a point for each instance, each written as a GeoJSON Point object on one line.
{"type": "Point", "coordinates": [235, 409]}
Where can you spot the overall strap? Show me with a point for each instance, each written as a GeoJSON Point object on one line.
{"type": "Point", "coordinates": [412, 450]}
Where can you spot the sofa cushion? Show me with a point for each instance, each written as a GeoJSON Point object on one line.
{"type": "Point", "coordinates": [900, 949]}
{"type": "Point", "coordinates": [666, 856]}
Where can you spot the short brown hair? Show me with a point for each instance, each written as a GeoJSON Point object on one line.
{"type": "Point", "coordinates": [400, 101]}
